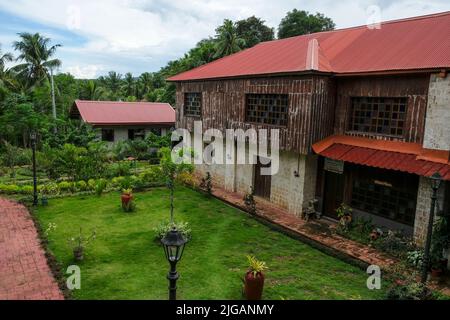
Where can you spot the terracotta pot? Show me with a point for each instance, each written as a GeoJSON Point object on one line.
{"type": "Point", "coordinates": [436, 273]}
{"type": "Point", "coordinates": [78, 254]}
{"type": "Point", "coordinates": [126, 198]}
{"type": "Point", "coordinates": [254, 286]}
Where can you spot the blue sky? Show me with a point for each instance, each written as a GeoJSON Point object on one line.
{"type": "Point", "coordinates": [143, 35]}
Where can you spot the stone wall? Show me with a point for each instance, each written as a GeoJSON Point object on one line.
{"type": "Point", "coordinates": [437, 128]}
{"type": "Point", "coordinates": [423, 208]}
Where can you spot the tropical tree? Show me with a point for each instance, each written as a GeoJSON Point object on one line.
{"type": "Point", "coordinates": [227, 39]}
{"type": "Point", "coordinates": [113, 82]}
{"type": "Point", "coordinates": [146, 81]}
{"type": "Point", "coordinates": [4, 73]}
{"type": "Point", "coordinates": [302, 22]}
{"type": "Point", "coordinates": [36, 52]}
{"type": "Point", "coordinates": [128, 85]}
{"type": "Point", "coordinates": [91, 90]}
{"type": "Point", "coordinates": [253, 31]}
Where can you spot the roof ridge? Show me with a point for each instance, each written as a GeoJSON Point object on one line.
{"type": "Point", "coordinates": [427, 16]}
{"type": "Point", "coordinates": [131, 102]}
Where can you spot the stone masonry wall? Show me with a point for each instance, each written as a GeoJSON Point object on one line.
{"type": "Point", "coordinates": [437, 128]}
{"type": "Point", "coordinates": [423, 208]}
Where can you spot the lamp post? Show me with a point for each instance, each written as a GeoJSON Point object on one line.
{"type": "Point", "coordinates": [173, 243]}
{"type": "Point", "coordinates": [436, 180]}
{"type": "Point", "coordinates": [33, 148]}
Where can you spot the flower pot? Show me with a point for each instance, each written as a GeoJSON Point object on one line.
{"type": "Point", "coordinates": [78, 254]}
{"type": "Point", "coordinates": [126, 198]}
{"type": "Point", "coordinates": [436, 272]}
{"type": "Point", "coordinates": [254, 285]}
{"type": "Point", "coordinates": [44, 201]}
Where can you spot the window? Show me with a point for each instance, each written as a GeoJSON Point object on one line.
{"type": "Point", "coordinates": [193, 104]}
{"type": "Point", "coordinates": [267, 108]}
{"type": "Point", "coordinates": [157, 131]}
{"type": "Point", "coordinates": [108, 135]}
{"type": "Point", "coordinates": [379, 115]}
{"type": "Point", "coordinates": [136, 134]}
{"type": "Point", "coordinates": [391, 195]}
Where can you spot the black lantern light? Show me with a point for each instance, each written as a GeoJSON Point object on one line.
{"type": "Point", "coordinates": [173, 243]}
{"type": "Point", "coordinates": [436, 180]}
{"type": "Point", "coordinates": [33, 149]}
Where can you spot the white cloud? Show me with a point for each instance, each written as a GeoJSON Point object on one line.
{"type": "Point", "coordinates": [84, 72]}
{"type": "Point", "coordinates": [142, 35]}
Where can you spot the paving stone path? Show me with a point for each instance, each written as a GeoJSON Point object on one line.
{"type": "Point", "coordinates": [24, 272]}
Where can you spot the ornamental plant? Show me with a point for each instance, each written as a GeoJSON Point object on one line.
{"type": "Point", "coordinates": [80, 242]}
{"type": "Point", "coordinates": [256, 266]}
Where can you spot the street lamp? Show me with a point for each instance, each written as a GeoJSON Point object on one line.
{"type": "Point", "coordinates": [436, 180]}
{"type": "Point", "coordinates": [173, 243]}
{"type": "Point", "coordinates": [33, 148]}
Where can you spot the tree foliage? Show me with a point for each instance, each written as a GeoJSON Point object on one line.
{"type": "Point", "coordinates": [298, 22]}
{"type": "Point", "coordinates": [253, 31]}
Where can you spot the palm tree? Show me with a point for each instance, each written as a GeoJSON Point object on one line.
{"type": "Point", "coordinates": [227, 39]}
{"type": "Point", "coordinates": [146, 80]}
{"type": "Point", "coordinates": [4, 74]}
{"type": "Point", "coordinates": [36, 52]}
{"type": "Point", "coordinates": [113, 81]}
{"type": "Point", "coordinates": [90, 90]}
{"type": "Point", "coordinates": [128, 85]}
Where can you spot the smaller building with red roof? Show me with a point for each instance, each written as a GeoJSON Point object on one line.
{"type": "Point", "coordinates": [119, 121]}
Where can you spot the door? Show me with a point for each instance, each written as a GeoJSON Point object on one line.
{"type": "Point", "coordinates": [334, 193]}
{"type": "Point", "coordinates": [262, 183]}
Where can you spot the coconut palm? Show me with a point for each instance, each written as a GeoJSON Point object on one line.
{"type": "Point", "coordinates": [128, 85]}
{"type": "Point", "coordinates": [227, 39]}
{"type": "Point", "coordinates": [90, 90]}
{"type": "Point", "coordinates": [36, 52]}
{"type": "Point", "coordinates": [4, 73]}
{"type": "Point", "coordinates": [146, 80]}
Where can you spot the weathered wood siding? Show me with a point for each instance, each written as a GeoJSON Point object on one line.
{"type": "Point", "coordinates": [311, 106]}
{"type": "Point", "coordinates": [415, 88]}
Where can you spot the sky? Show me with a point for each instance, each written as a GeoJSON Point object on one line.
{"type": "Point", "coordinates": [138, 36]}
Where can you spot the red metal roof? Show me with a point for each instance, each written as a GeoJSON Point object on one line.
{"type": "Point", "coordinates": [405, 159]}
{"type": "Point", "coordinates": [408, 44]}
{"type": "Point", "coordinates": [125, 113]}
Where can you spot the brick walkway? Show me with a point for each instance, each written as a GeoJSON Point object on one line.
{"type": "Point", "coordinates": [24, 273]}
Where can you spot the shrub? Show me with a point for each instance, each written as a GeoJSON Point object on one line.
{"type": "Point", "coordinates": [117, 181]}
{"type": "Point", "coordinates": [27, 190]}
{"type": "Point", "coordinates": [50, 189]}
{"type": "Point", "coordinates": [122, 168]}
{"type": "Point", "coordinates": [249, 201]}
{"type": "Point", "coordinates": [91, 184]}
{"type": "Point", "coordinates": [9, 188]}
{"type": "Point", "coordinates": [100, 187]}
{"type": "Point", "coordinates": [81, 185]}
{"type": "Point", "coordinates": [186, 178]}
{"type": "Point", "coordinates": [415, 258]}
{"type": "Point", "coordinates": [206, 183]}
{"type": "Point", "coordinates": [164, 227]}
{"type": "Point", "coordinates": [152, 176]}
{"type": "Point", "coordinates": [64, 186]}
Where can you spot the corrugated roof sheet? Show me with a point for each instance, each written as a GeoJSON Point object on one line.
{"type": "Point", "coordinates": [408, 44]}
{"type": "Point", "coordinates": [405, 160]}
{"type": "Point", "coordinates": [125, 113]}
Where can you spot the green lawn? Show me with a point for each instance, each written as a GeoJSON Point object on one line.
{"type": "Point", "coordinates": [125, 262]}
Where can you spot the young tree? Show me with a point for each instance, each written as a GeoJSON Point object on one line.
{"type": "Point", "coordinates": [4, 58]}
{"type": "Point", "coordinates": [171, 170]}
{"type": "Point", "coordinates": [227, 39]}
{"type": "Point", "coordinates": [302, 22]}
{"type": "Point", "coordinates": [253, 31]}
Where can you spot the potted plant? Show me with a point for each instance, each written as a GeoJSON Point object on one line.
{"type": "Point", "coordinates": [127, 198]}
{"type": "Point", "coordinates": [344, 214]}
{"type": "Point", "coordinates": [254, 279]}
{"type": "Point", "coordinates": [79, 243]}
{"type": "Point", "coordinates": [249, 201]}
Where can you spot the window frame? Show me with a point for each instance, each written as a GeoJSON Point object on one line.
{"type": "Point", "coordinates": [396, 101]}
{"type": "Point", "coordinates": [186, 108]}
{"type": "Point", "coordinates": [261, 96]}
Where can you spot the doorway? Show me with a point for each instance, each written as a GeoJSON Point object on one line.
{"type": "Point", "coordinates": [262, 183]}
{"type": "Point", "coordinates": [334, 193]}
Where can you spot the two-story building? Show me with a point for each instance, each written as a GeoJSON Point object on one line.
{"type": "Point", "coordinates": [363, 115]}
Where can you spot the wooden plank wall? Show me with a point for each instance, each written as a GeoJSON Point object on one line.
{"type": "Point", "coordinates": [414, 87]}
{"type": "Point", "coordinates": [311, 106]}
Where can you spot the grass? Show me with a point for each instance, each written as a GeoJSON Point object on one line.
{"type": "Point", "coordinates": [125, 262]}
